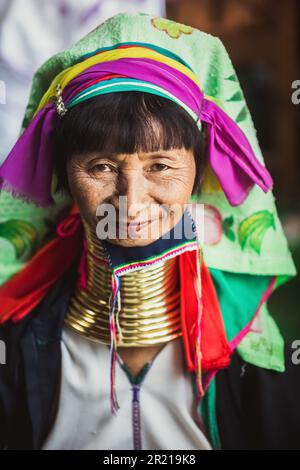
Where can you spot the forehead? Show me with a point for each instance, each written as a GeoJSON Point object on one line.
{"type": "Point", "coordinates": [171, 154]}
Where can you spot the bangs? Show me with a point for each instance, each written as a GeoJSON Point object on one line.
{"type": "Point", "coordinates": [123, 122]}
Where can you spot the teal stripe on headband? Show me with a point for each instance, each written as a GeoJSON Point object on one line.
{"type": "Point", "coordinates": [160, 50]}
{"type": "Point", "coordinates": [91, 90]}
{"type": "Point", "coordinates": [126, 84]}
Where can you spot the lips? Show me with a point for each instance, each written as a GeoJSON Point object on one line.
{"type": "Point", "coordinates": [142, 222]}
{"type": "Point", "coordinates": [137, 222]}
{"type": "Point", "coordinates": [134, 225]}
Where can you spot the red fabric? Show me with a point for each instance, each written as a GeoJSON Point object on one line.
{"type": "Point", "coordinates": [20, 294]}
{"type": "Point", "coordinates": [215, 348]}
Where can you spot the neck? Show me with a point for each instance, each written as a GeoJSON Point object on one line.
{"type": "Point", "coordinates": [148, 310]}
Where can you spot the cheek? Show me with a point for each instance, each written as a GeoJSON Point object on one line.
{"type": "Point", "coordinates": [178, 188]}
{"type": "Point", "coordinates": [88, 192]}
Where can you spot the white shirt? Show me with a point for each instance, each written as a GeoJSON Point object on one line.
{"type": "Point", "coordinates": [166, 401]}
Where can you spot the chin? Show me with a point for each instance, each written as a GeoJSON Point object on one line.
{"type": "Point", "coordinates": [129, 243]}
{"type": "Point", "coordinates": [141, 238]}
{"type": "Point", "coordinates": [144, 236]}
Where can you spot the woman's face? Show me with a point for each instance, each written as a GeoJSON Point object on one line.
{"type": "Point", "coordinates": [151, 187]}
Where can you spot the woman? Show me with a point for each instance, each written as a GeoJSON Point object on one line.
{"type": "Point", "coordinates": [128, 302]}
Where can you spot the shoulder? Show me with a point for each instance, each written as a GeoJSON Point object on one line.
{"type": "Point", "coordinates": [32, 348]}
{"type": "Point", "coordinates": [47, 312]}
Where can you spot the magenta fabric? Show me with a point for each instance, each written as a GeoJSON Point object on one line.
{"type": "Point", "coordinates": [231, 156]}
{"type": "Point", "coordinates": [27, 170]}
{"type": "Point", "coordinates": [157, 73]}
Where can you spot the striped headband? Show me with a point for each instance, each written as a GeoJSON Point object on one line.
{"type": "Point", "coordinates": [130, 67]}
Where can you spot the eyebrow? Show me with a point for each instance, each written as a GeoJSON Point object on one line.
{"type": "Point", "coordinates": [161, 154]}
{"type": "Point", "coordinates": [172, 156]}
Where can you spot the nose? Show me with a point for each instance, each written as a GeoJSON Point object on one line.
{"type": "Point", "coordinates": [132, 185]}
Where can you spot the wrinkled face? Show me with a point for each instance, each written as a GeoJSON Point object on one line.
{"type": "Point", "coordinates": [139, 187]}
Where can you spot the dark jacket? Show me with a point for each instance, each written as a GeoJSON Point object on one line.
{"type": "Point", "coordinates": [255, 408]}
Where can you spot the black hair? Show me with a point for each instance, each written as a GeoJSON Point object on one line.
{"type": "Point", "coordinates": [125, 122]}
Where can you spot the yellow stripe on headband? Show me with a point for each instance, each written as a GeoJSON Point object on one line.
{"type": "Point", "coordinates": [64, 77]}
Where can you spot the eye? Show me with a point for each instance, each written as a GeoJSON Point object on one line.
{"type": "Point", "coordinates": [102, 168]}
{"type": "Point", "coordinates": [159, 167]}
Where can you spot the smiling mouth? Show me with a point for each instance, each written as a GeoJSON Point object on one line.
{"type": "Point", "coordinates": [135, 225]}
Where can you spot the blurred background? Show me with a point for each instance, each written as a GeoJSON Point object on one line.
{"type": "Point", "coordinates": [263, 41]}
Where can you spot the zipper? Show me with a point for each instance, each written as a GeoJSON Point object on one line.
{"type": "Point", "coordinates": [136, 418]}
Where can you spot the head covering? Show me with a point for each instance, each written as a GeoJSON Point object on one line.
{"type": "Point", "coordinates": [244, 235]}
{"type": "Point", "coordinates": [138, 67]}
